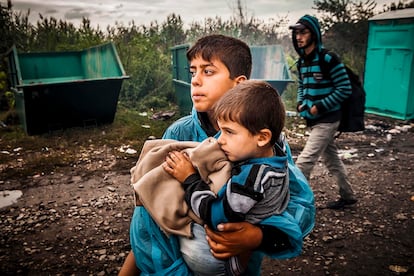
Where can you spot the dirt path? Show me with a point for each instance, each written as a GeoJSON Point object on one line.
{"type": "Point", "coordinates": [75, 220]}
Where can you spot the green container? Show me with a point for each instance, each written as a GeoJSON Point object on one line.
{"type": "Point", "coordinates": [58, 90]}
{"type": "Point", "coordinates": [269, 64]}
{"type": "Point", "coordinates": [182, 78]}
{"type": "Point", "coordinates": [389, 65]}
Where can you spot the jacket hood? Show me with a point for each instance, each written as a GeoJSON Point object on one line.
{"type": "Point", "coordinates": [311, 23]}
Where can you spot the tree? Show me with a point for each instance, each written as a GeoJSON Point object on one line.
{"type": "Point", "coordinates": [345, 27]}
{"type": "Point", "coordinates": [15, 28]}
{"type": "Point", "coordinates": [172, 32]}
{"type": "Point", "coordinates": [343, 11]}
{"type": "Point", "coordinates": [402, 4]}
{"type": "Point", "coordinates": [144, 51]}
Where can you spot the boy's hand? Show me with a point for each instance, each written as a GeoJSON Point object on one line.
{"type": "Point", "coordinates": [233, 239]}
{"type": "Point", "coordinates": [178, 165]}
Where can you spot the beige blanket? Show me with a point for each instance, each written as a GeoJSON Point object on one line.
{"type": "Point", "coordinates": [161, 194]}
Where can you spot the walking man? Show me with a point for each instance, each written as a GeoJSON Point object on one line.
{"type": "Point", "coordinates": [319, 99]}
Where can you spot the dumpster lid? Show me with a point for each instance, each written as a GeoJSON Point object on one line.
{"type": "Point", "coordinates": [397, 14]}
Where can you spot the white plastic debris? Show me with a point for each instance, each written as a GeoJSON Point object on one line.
{"type": "Point", "coordinates": [394, 131]}
{"type": "Point", "coordinates": [389, 137]}
{"type": "Point", "coordinates": [127, 149]}
{"type": "Point", "coordinates": [9, 197]}
{"type": "Point", "coordinates": [371, 127]}
{"type": "Point", "coordinates": [130, 151]}
{"type": "Point", "coordinates": [291, 113]}
{"type": "Point", "coordinates": [403, 128]}
{"type": "Point", "coordinates": [348, 154]}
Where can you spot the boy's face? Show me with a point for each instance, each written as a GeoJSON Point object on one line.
{"type": "Point", "coordinates": [237, 142]}
{"type": "Point", "coordinates": [209, 81]}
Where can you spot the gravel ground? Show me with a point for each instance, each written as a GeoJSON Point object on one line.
{"type": "Point", "coordinates": [74, 220]}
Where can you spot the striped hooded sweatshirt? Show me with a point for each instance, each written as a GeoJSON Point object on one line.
{"type": "Point", "coordinates": [326, 89]}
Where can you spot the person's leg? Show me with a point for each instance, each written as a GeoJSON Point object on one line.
{"type": "Point", "coordinates": [129, 268]}
{"type": "Point", "coordinates": [156, 253]}
{"type": "Point", "coordinates": [319, 138]}
{"type": "Point", "coordinates": [336, 167]}
{"type": "Point", "coordinates": [197, 255]}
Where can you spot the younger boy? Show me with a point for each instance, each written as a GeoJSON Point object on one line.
{"type": "Point", "coordinates": [251, 117]}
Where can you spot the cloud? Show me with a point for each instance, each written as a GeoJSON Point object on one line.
{"type": "Point", "coordinates": [77, 13]}
{"type": "Point", "coordinates": [107, 12]}
{"type": "Point", "coordinates": [51, 11]}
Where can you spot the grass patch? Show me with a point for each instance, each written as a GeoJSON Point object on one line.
{"type": "Point", "coordinates": [22, 156]}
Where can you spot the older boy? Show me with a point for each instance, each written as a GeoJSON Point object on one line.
{"type": "Point", "coordinates": [218, 63]}
{"type": "Point", "coordinates": [251, 118]}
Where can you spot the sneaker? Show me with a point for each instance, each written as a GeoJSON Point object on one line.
{"type": "Point", "coordinates": [341, 203]}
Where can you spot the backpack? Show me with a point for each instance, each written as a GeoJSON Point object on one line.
{"type": "Point", "coordinates": [352, 108]}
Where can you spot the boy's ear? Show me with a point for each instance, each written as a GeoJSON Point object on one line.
{"type": "Point", "coordinates": [240, 78]}
{"type": "Point", "coordinates": [264, 137]}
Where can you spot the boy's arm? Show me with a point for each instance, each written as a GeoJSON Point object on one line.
{"type": "Point", "coordinates": [235, 238]}
{"type": "Point", "coordinates": [197, 193]}
{"type": "Point", "coordinates": [199, 197]}
{"type": "Point", "coordinates": [232, 239]}
{"type": "Point", "coordinates": [129, 267]}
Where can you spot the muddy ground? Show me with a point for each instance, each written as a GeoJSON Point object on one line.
{"type": "Point", "coordinates": [74, 219]}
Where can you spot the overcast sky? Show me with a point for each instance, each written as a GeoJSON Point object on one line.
{"type": "Point", "coordinates": [142, 12]}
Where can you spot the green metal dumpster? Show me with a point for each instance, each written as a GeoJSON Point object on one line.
{"type": "Point", "coordinates": [269, 64]}
{"type": "Point", "coordinates": [58, 90]}
{"type": "Point", "coordinates": [181, 78]}
{"type": "Point", "coordinates": [389, 65]}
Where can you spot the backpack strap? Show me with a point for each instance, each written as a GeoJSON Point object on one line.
{"type": "Point", "coordinates": [323, 63]}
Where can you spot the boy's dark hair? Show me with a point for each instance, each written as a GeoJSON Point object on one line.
{"type": "Point", "coordinates": [234, 53]}
{"type": "Point", "coordinates": [255, 105]}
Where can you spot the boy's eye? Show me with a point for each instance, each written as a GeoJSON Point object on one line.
{"type": "Point", "coordinates": [208, 72]}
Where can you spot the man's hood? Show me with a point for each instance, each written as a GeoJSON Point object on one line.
{"type": "Point", "coordinates": [310, 22]}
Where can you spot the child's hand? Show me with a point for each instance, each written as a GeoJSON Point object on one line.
{"type": "Point", "coordinates": [178, 165]}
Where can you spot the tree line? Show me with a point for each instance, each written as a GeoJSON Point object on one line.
{"type": "Point", "coordinates": [144, 50]}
